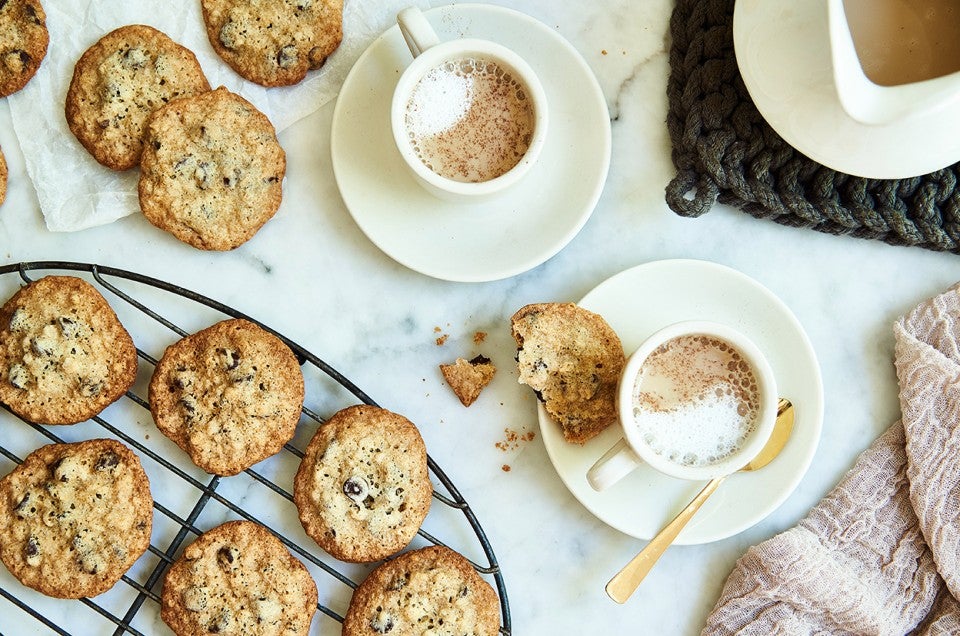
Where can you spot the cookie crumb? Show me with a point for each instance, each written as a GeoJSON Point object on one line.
{"type": "Point", "coordinates": [479, 337]}
{"type": "Point", "coordinates": [505, 468]}
{"type": "Point", "coordinates": [513, 439]}
{"type": "Point", "coordinates": [442, 340]}
{"type": "Point", "coordinates": [468, 378]}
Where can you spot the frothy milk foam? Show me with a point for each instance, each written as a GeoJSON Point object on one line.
{"type": "Point", "coordinates": [469, 120]}
{"type": "Point", "coordinates": [695, 400]}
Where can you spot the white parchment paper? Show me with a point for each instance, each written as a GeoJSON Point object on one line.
{"type": "Point", "coordinates": [74, 191]}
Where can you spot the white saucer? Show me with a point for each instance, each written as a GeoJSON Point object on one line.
{"type": "Point", "coordinates": [638, 302]}
{"type": "Point", "coordinates": [474, 242]}
{"type": "Point", "coordinates": [783, 51]}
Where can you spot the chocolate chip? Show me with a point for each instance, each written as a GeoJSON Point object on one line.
{"type": "Point", "coordinates": [42, 346]}
{"type": "Point", "coordinates": [356, 488]}
{"type": "Point", "coordinates": [32, 549]}
{"type": "Point", "coordinates": [17, 60]}
{"type": "Point", "coordinates": [382, 623]}
{"type": "Point", "coordinates": [68, 326]}
{"type": "Point", "coordinates": [3, 3]}
{"type": "Point", "coordinates": [90, 388]}
{"type": "Point", "coordinates": [24, 509]}
{"type": "Point", "coordinates": [227, 35]}
{"type": "Point", "coordinates": [107, 461]}
{"type": "Point", "coordinates": [188, 404]}
{"type": "Point", "coordinates": [202, 175]}
{"type": "Point", "coordinates": [135, 58]}
{"type": "Point", "coordinates": [18, 376]}
{"type": "Point", "coordinates": [316, 57]}
{"type": "Point", "coordinates": [229, 358]}
{"type": "Point", "coordinates": [32, 14]}
{"type": "Point", "coordinates": [18, 320]}
{"type": "Point", "coordinates": [480, 359]}
{"type": "Point", "coordinates": [287, 56]}
{"type": "Point", "coordinates": [226, 556]}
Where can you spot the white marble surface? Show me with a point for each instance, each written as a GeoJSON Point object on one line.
{"type": "Point", "coordinates": [313, 275]}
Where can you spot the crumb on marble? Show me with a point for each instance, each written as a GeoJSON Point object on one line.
{"type": "Point", "coordinates": [513, 439]}
{"type": "Point", "coordinates": [479, 337]}
{"type": "Point", "coordinates": [505, 468]}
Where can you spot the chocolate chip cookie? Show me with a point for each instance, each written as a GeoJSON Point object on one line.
{"type": "Point", "coordinates": [274, 42]}
{"type": "Point", "coordinates": [75, 517]}
{"type": "Point", "coordinates": [23, 43]}
{"type": "Point", "coordinates": [3, 178]}
{"type": "Point", "coordinates": [468, 377]}
{"type": "Point", "coordinates": [64, 356]}
{"type": "Point", "coordinates": [426, 591]}
{"type": "Point", "coordinates": [572, 359]}
{"type": "Point", "coordinates": [229, 395]}
{"type": "Point", "coordinates": [118, 82]}
{"type": "Point", "coordinates": [212, 170]}
{"type": "Point", "coordinates": [238, 579]}
{"type": "Point", "coordinates": [363, 489]}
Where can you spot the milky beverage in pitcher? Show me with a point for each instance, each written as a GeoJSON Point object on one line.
{"type": "Point", "coordinates": [904, 41]}
{"type": "Point", "coordinates": [695, 400]}
{"type": "Point", "coordinates": [469, 120]}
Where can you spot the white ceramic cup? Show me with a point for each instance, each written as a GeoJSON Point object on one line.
{"type": "Point", "coordinates": [429, 53]}
{"type": "Point", "coordinates": [631, 451]}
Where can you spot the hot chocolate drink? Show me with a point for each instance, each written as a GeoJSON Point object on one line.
{"type": "Point", "coordinates": [469, 120]}
{"type": "Point", "coordinates": [696, 400]}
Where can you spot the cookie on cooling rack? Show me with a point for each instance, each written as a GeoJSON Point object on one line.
{"type": "Point", "coordinates": [572, 359]}
{"type": "Point", "coordinates": [23, 43]}
{"type": "Point", "coordinates": [274, 42]}
{"type": "Point", "coordinates": [229, 395]}
{"type": "Point", "coordinates": [64, 356]}
{"type": "Point", "coordinates": [212, 170]}
{"type": "Point", "coordinates": [433, 588]}
{"type": "Point", "coordinates": [75, 517]}
{"type": "Point", "coordinates": [118, 82]}
{"type": "Point", "coordinates": [363, 489]}
{"type": "Point", "coordinates": [238, 579]}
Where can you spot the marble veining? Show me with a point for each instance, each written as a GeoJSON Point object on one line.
{"type": "Point", "coordinates": [312, 275]}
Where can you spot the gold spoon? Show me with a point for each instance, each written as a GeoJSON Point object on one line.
{"type": "Point", "coordinates": [624, 582]}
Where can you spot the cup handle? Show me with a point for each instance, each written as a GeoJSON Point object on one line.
{"type": "Point", "coordinates": [417, 32]}
{"type": "Point", "coordinates": [615, 464]}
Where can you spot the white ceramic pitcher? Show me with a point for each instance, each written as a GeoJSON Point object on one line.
{"type": "Point", "coordinates": [871, 103]}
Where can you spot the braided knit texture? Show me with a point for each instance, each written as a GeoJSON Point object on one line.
{"type": "Point", "coordinates": [724, 151]}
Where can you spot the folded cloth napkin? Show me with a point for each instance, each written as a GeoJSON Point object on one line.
{"type": "Point", "coordinates": [881, 553]}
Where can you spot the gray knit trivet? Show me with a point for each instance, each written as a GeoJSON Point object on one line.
{"type": "Point", "coordinates": [724, 151]}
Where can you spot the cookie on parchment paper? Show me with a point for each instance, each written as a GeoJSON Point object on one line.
{"type": "Point", "coordinates": [75, 517]}
{"type": "Point", "coordinates": [238, 579]}
{"type": "Point", "coordinates": [572, 359]}
{"type": "Point", "coordinates": [64, 356]}
{"type": "Point", "coordinates": [3, 178]}
{"type": "Point", "coordinates": [23, 43]}
{"type": "Point", "coordinates": [431, 590]}
{"type": "Point", "coordinates": [274, 42]}
{"type": "Point", "coordinates": [468, 377]}
{"type": "Point", "coordinates": [229, 395]}
{"type": "Point", "coordinates": [363, 489]}
{"type": "Point", "coordinates": [212, 170]}
{"type": "Point", "coordinates": [118, 82]}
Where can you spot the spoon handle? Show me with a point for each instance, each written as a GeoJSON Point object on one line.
{"type": "Point", "coordinates": [624, 582]}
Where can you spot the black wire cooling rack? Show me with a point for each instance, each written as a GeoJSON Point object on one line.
{"type": "Point", "coordinates": [194, 501]}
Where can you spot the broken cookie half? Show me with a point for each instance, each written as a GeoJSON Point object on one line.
{"type": "Point", "coordinates": [572, 359]}
{"type": "Point", "coordinates": [468, 377]}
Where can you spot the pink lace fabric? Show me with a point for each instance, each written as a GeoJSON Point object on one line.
{"type": "Point", "coordinates": [880, 554]}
